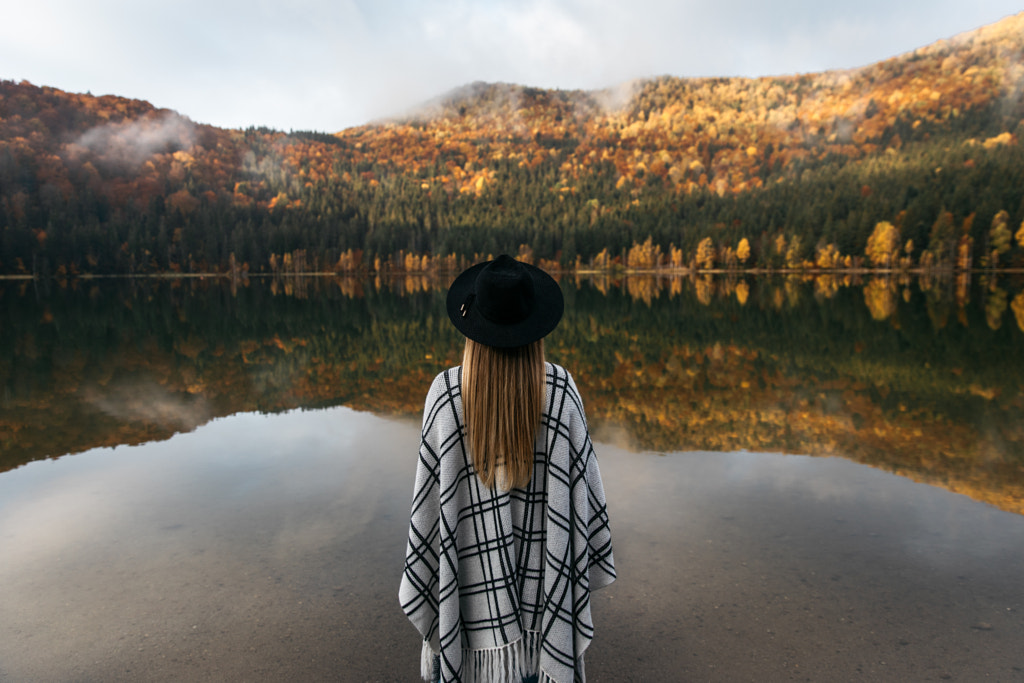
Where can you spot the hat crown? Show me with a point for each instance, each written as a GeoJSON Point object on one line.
{"type": "Point", "coordinates": [504, 291]}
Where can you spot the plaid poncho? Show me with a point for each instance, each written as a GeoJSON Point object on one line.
{"type": "Point", "coordinates": [498, 583]}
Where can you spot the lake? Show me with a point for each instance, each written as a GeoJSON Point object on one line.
{"type": "Point", "coordinates": [808, 479]}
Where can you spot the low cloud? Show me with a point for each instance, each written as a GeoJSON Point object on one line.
{"type": "Point", "coordinates": [130, 143]}
{"type": "Point", "coordinates": [618, 97]}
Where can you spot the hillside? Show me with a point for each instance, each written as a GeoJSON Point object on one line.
{"type": "Point", "coordinates": [786, 171]}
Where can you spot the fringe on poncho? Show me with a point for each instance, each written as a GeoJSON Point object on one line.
{"type": "Point", "coordinates": [498, 582]}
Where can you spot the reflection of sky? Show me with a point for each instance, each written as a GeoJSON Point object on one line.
{"type": "Point", "coordinates": [223, 468]}
{"type": "Point", "coordinates": [929, 521]}
{"type": "Point", "coordinates": [270, 540]}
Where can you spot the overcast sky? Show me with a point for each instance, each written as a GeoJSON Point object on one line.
{"type": "Point", "coordinates": [330, 64]}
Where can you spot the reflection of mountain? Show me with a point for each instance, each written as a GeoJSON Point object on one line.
{"type": "Point", "coordinates": [931, 390]}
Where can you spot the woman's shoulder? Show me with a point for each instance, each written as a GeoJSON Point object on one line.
{"type": "Point", "coordinates": [557, 369]}
{"type": "Point", "coordinates": [444, 401]}
{"type": "Point", "coordinates": [450, 375]}
{"type": "Point", "coordinates": [560, 378]}
{"type": "Point", "coordinates": [446, 378]}
{"type": "Point", "coordinates": [444, 383]}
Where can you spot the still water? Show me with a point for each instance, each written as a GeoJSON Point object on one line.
{"type": "Point", "coordinates": [207, 482]}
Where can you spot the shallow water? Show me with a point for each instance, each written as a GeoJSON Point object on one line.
{"type": "Point", "coordinates": [263, 547]}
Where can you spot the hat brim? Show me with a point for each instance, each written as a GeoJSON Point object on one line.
{"type": "Point", "coordinates": [539, 323]}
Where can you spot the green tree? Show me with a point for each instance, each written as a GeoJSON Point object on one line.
{"type": "Point", "coordinates": [940, 240]}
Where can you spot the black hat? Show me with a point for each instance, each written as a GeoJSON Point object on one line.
{"type": "Point", "coordinates": [505, 303]}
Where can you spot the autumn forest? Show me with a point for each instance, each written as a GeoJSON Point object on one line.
{"type": "Point", "coordinates": [913, 163]}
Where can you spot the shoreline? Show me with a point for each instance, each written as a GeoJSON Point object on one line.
{"type": "Point", "coordinates": [610, 272]}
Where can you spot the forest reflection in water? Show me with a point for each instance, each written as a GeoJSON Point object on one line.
{"type": "Point", "coordinates": [917, 376]}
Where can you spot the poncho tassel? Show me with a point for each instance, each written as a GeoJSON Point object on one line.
{"type": "Point", "coordinates": [427, 661]}
{"type": "Point", "coordinates": [531, 647]}
{"type": "Point", "coordinates": [507, 663]}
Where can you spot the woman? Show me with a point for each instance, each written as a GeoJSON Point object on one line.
{"type": "Point", "coordinates": [509, 529]}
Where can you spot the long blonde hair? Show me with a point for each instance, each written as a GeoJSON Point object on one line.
{"type": "Point", "coordinates": [502, 398]}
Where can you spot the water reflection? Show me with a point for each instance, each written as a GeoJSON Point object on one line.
{"type": "Point", "coordinates": [269, 547]}
{"type": "Point", "coordinates": [256, 547]}
{"type": "Point", "coordinates": [744, 566]}
{"type": "Point", "coordinates": [917, 376]}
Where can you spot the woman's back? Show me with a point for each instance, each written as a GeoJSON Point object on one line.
{"type": "Point", "coordinates": [497, 579]}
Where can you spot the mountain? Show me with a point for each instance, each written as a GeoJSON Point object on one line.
{"type": "Point", "coordinates": [804, 170]}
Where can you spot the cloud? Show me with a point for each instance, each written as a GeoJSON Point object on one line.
{"type": "Point", "coordinates": [616, 97]}
{"type": "Point", "coordinates": [130, 143]}
{"type": "Point", "coordinates": [330, 64]}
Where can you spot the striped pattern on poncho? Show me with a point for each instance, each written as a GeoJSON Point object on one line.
{"type": "Point", "coordinates": [498, 582]}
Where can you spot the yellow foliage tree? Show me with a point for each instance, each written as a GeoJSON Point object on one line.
{"type": "Point", "coordinates": [349, 260]}
{"type": "Point", "coordinates": [793, 252]}
{"type": "Point", "coordinates": [780, 244]}
{"type": "Point", "coordinates": [828, 256]}
{"type": "Point", "coordinates": [525, 254]}
{"type": "Point", "coordinates": [675, 256]}
{"type": "Point", "coordinates": [646, 255]}
{"type": "Point", "coordinates": [743, 249]}
{"type": "Point", "coordinates": [705, 257]}
{"type": "Point", "coordinates": [882, 244]}
{"type": "Point", "coordinates": [999, 237]}
{"type": "Point", "coordinates": [964, 251]}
